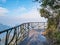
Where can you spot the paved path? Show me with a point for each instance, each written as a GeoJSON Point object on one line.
{"type": "Point", "coordinates": [35, 38]}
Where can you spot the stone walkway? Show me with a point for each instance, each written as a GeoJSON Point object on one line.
{"type": "Point", "coordinates": [35, 38]}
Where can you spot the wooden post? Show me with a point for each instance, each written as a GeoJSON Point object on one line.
{"type": "Point", "coordinates": [6, 40]}
{"type": "Point", "coordinates": [16, 35]}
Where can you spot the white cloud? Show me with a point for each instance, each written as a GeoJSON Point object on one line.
{"type": "Point", "coordinates": [22, 12]}
{"type": "Point", "coordinates": [21, 15]}
{"type": "Point", "coordinates": [3, 11]}
{"type": "Point", "coordinates": [32, 14]}
{"type": "Point", "coordinates": [20, 9]}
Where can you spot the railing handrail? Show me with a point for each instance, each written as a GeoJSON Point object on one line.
{"type": "Point", "coordinates": [18, 26]}
{"type": "Point", "coordinates": [16, 29]}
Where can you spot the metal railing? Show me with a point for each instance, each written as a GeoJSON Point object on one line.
{"type": "Point", "coordinates": [16, 34]}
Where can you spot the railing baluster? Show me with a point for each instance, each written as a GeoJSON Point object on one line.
{"type": "Point", "coordinates": [16, 35]}
{"type": "Point", "coordinates": [20, 32]}
{"type": "Point", "coordinates": [28, 29]}
{"type": "Point", "coordinates": [6, 40]}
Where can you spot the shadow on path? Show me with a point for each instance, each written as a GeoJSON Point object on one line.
{"type": "Point", "coordinates": [35, 39]}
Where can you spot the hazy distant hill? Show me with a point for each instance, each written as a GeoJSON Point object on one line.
{"type": "Point", "coordinates": [3, 27]}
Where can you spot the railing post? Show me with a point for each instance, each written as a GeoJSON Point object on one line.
{"type": "Point", "coordinates": [28, 29]}
{"type": "Point", "coordinates": [24, 28]}
{"type": "Point", "coordinates": [16, 35]}
{"type": "Point", "coordinates": [43, 25]}
{"type": "Point", "coordinates": [6, 40]}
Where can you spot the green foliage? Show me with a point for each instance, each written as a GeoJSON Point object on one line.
{"type": "Point", "coordinates": [49, 3]}
{"type": "Point", "coordinates": [56, 36]}
{"type": "Point", "coordinates": [44, 13]}
{"type": "Point", "coordinates": [53, 19]}
{"type": "Point", "coordinates": [53, 34]}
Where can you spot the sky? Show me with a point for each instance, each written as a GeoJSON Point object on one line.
{"type": "Point", "coordinates": [15, 12]}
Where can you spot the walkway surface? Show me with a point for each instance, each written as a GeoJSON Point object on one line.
{"type": "Point", "coordinates": [35, 38]}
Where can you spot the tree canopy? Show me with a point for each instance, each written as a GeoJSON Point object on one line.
{"type": "Point", "coordinates": [51, 10]}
